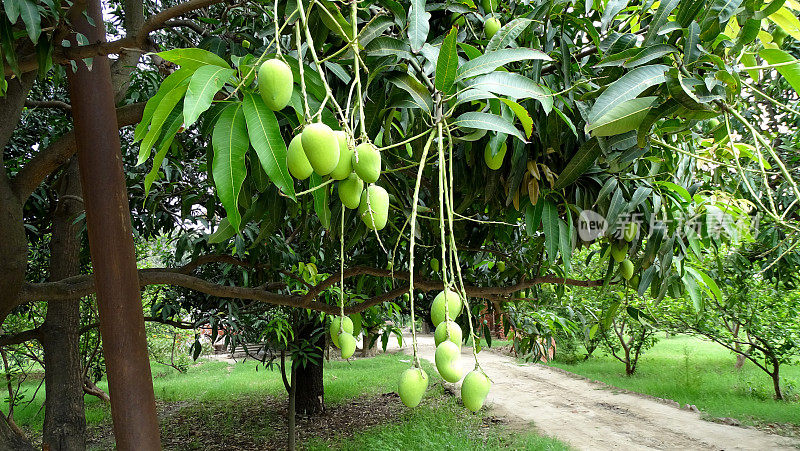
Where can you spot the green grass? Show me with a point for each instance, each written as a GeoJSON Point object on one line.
{"type": "Point", "coordinates": [694, 371]}
{"type": "Point", "coordinates": [441, 424]}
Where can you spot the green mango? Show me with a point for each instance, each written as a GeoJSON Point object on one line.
{"type": "Point", "coordinates": [438, 310]}
{"type": "Point", "coordinates": [491, 26]}
{"type": "Point", "coordinates": [321, 147]}
{"type": "Point", "coordinates": [447, 359]}
{"type": "Point", "coordinates": [275, 84]}
{"type": "Point", "coordinates": [367, 162]}
{"type": "Point", "coordinates": [344, 168]}
{"type": "Point", "coordinates": [474, 390]}
{"type": "Point", "coordinates": [412, 386]}
{"type": "Point", "coordinates": [501, 266]}
{"type": "Point", "coordinates": [440, 335]}
{"type": "Point", "coordinates": [619, 252]}
{"type": "Point", "coordinates": [297, 161]}
{"type": "Point", "coordinates": [435, 264]}
{"type": "Point", "coordinates": [626, 269]}
{"type": "Point", "coordinates": [377, 214]}
{"type": "Point", "coordinates": [348, 344]}
{"type": "Point", "coordinates": [630, 231]}
{"type": "Point", "coordinates": [347, 326]}
{"type": "Point", "coordinates": [495, 162]}
{"type": "Point", "coordinates": [350, 191]}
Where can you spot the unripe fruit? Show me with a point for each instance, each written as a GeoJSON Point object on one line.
{"type": "Point", "coordinates": [406, 297]}
{"type": "Point", "coordinates": [453, 306]}
{"type": "Point", "coordinates": [321, 147]}
{"type": "Point", "coordinates": [630, 231]}
{"type": "Point", "coordinates": [347, 326]}
{"type": "Point", "coordinates": [490, 5]}
{"type": "Point", "coordinates": [412, 386]}
{"type": "Point", "coordinates": [344, 167]}
{"type": "Point", "coordinates": [435, 264]}
{"type": "Point", "coordinates": [297, 161]}
{"type": "Point", "coordinates": [619, 252]}
{"type": "Point", "coordinates": [501, 266]}
{"type": "Point", "coordinates": [491, 26]}
{"type": "Point", "coordinates": [348, 344]}
{"type": "Point", "coordinates": [494, 162]}
{"type": "Point", "coordinates": [374, 207]}
{"type": "Point", "coordinates": [350, 191]}
{"type": "Point", "coordinates": [368, 166]}
{"type": "Point", "coordinates": [626, 269]}
{"type": "Point", "coordinates": [447, 361]}
{"type": "Point", "coordinates": [474, 390]}
{"type": "Point", "coordinates": [275, 83]}
{"type": "Point", "coordinates": [456, 336]}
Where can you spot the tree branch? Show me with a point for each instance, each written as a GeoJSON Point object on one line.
{"type": "Point", "coordinates": [20, 337]}
{"type": "Point", "coordinates": [57, 104]}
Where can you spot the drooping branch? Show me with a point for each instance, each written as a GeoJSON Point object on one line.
{"type": "Point", "coordinates": [137, 41]}
{"type": "Point", "coordinates": [79, 286]}
{"type": "Point", "coordinates": [59, 152]}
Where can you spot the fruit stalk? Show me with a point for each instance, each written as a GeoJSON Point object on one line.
{"type": "Point", "coordinates": [442, 189]}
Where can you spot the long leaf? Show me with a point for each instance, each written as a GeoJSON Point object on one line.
{"type": "Point", "coordinates": [265, 136]}
{"type": "Point", "coordinates": [623, 118]}
{"type": "Point", "coordinates": [418, 24]}
{"type": "Point", "coordinates": [321, 201]}
{"type": "Point", "coordinates": [486, 121]}
{"type": "Point", "coordinates": [515, 86]}
{"type": "Point", "coordinates": [172, 81]}
{"type": "Point", "coordinates": [204, 84]}
{"type": "Point", "coordinates": [490, 61]}
{"type": "Point", "coordinates": [522, 114]}
{"type": "Point", "coordinates": [160, 115]}
{"type": "Point", "coordinates": [665, 8]}
{"type": "Point", "coordinates": [174, 122]}
{"type": "Point", "coordinates": [508, 33]}
{"type": "Point", "coordinates": [230, 143]}
{"type": "Point", "coordinates": [420, 95]}
{"type": "Point", "coordinates": [193, 58]}
{"type": "Point", "coordinates": [447, 63]}
{"type": "Point", "coordinates": [785, 19]}
{"type": "Point", "coordinates": [579, 163]}
{"type": "Point", "coordinates": [723, 10]}
{"type": "Point", "coordinates": [628, 87]}
{"type": "Point", "coordinates": [32, 19]}
{"type": "Point", "coordinates": [791, 72]}
{"type": "Point", "coordinates": [551, 232]}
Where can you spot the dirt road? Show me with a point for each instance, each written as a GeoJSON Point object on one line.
{"type": "Point", "coordinates": [589, 416]}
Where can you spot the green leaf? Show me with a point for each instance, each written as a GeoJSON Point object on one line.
{"type": "Point", "coordinates": [12, 10]}
{"type": "Point", "coordinates": [522, 114]}
{"type": "Point", "coordinates": [629, 86]}
{"type": "Point", "coordinates": [649, 54]}
{"type": "Point", "coordinates": [30, 16]}
{"type": "Point", "coordinates": [193, 58]}
{"type": "Point", "coordinates": [791, 72]}
{"type": "Point", "coordinates": [172, 81]}
{"type": "Point", "coordinates": [420, 95]}
{"type": "Point", "coordinates": [230, 142]}
{"type": "Point", "coordinates": [490, 61]}
{"type": "Point", "coordinates": [447, 63]}
{"type": "Point", "coordinates": [708, 283]}
{"type": "Point", "coordinates": [508, 33]}
{"type": "Point", "coordinates": [579, 163]}
{"type": "Point", "coordinates": [514, 85]}
{"type": "Point", "coordinates": [723, 10]}
{"type": "Point", "coordinates": [665, 8]}
{"type": "Point", "coordinates": [768, 10]}
{"type": "Point", "coordinates": [665, 109]}
{"type": "Point", "coordinates": [223, 233]}
{"type": "Point", "coordinates": [265, 136]}
{"type": "Point", "coordinates": [388, 46]}
{"type": "Point", "coordinates": [418, 24]}
{"type": "Point", "coordinates": [204, 84]}
{"type": "Point", "coordinates": [565, 243]}
{"type": "Point", "coordinates": [679, 190]}
{"type": "Point", "coordinates": [487, 121]}
{"type": "Point", "coordinates": [160, 115]}
{"type": "Point", "coordinates": [691, 51]}
{"type": "Point", "coordinates": [321, 201]}
{"type": "Point", "coordinates": [551, 233]}
{"type": "Point", "coordinates": [175, 121]}
{"type": "Point", "coordinates": [338, 24]}
{"type": "Point", "coordinates": [690, 284]}
{"type": "Point", "coordinates": [622, 118]}
{"type": "Point", "coordinates": [533, 217]}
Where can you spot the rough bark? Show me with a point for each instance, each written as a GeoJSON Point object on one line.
{"type": "Point", "coordinates": [310, 391]}
{"type": "Point", "coordinates": [369, 348]}
{"type": "Point", "coordinates": [64, 419]}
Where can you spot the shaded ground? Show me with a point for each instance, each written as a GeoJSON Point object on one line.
{"type": "Point", "coordinates": [587, 415]}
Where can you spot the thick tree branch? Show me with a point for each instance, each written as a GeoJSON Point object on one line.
{"type": "Point", "coordinates": [21, 337]}
{"type": "Point", "coordinates": [57, 104]}
{"type": "Point", "coordinates": [59, 152]}
{"type": "Point", "coordinates": [136, 42]}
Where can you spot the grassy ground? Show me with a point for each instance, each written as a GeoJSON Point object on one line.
{"type": "Point", "coordinates": [217, 405]}
{"type": "Point", "coordinates": [694, 371]}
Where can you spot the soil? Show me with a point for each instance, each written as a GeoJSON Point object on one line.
{"type": "Point", "coordinates": [587, 415]}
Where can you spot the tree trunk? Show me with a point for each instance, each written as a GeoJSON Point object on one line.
{"type": "Point", "coordinates": [292, 412]}
{"type": "Point", "coordinates": [310, 396]}
{"type": "Point", "coordinates": [776, 380]}
{"type": "Point", "coordinates": [64, 419]}
{"type": "Point", "coordinates": [369, 348]}
{"type": "Point", "coordinates": [740, 359]}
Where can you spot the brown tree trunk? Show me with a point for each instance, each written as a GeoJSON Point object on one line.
{"type": "Point", "coordinates": [64, 419]}
{"type": "Point", "coordinates": [776, 380]}
{"type": "Point", "coordinates": [310, 396]}
{"type": "Point", "coordinates": [369, 348]}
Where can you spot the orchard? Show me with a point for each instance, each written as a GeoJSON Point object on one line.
{"type": "Point", "coordinates": [371, 210]}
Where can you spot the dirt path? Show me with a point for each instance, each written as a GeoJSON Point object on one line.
{"type": "Point", "coordinates": [589, 416]}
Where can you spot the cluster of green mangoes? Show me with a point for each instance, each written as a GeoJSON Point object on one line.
{"type": "Point", "coordinates": [320, 149]}
{"type": "Point", "coordinates": [343, 332]}
{"type": "Point", "coordinates": [619, 250]}
{"type": "Point", "coordinates": [448, 338]}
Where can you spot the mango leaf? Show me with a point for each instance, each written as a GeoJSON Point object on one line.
{"type": "Point", "coordinates": [193, 58]}
{"type": "Point", "coordinates": [533, 217]}
{"type": "Point", "coordinates": [490, 61]}
{"type": "Point", "coordinates": [173, 80]}
{"type": "Point", "coordinates": [174, 121]}
{"type": "Point", "coordinates": [522, 114]}
{"type": "Point", "coordinates": [321, 201]}
{"type": "Point", "coordinates": [665, 8]}
{"type": "Point", "coordinates": [160, 115]}
{"type": "Point", "coordinates": [338, 24]}
{"type": "Point", "coordinates": [565, 244]}
{"type": "Point", "coordinates": [629, 86]}
{"type": "Point", "coordinates": [230, 142]}
{"type": "Point", "coordinates": [487, 121]}
{"type": "Point", "coordinates": [649, 54]}
{"type": "Point", "coordinates": [677, 189]}
{"type": "Point", "coordinates": [447, 63]}
{"type": "Point", "coordinates": [513, 85]}
{"type": "Point", "coordinates": [418, 24]}
{"type": "Point", "coordinates": [12, 10]}
{"type": "Point", "coordinates": [508, 33]}
{"type": "Point", "coordinates": [623, 118]}
{"type": "Point", "coordinates": [791, 72]}
{"type": "Point", "coordinates": [204, 84]}
{"type": "Point", "coordinates": [224, 232]}
{"type": "Point", "coordinates": [265, 136]}
{"type": "Point", "coordinates": [709, 284]}
{"type": "Point", "coordinates": [551, 233]}
{"type": "Point", "coordinates": [579, 163]}
{"type": "Point", "coordinates": [32, 19]}
{"type": "Point", "coordinates": [388, 46]}
{"type": "Point", "coordinates": [420, 95]}
{"type": "Point", "coordinates": [690, 283]}
{"type": "Point", "coordinates": [723, 10]}
{"type": "Point", "coordinates": [771, 8]}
